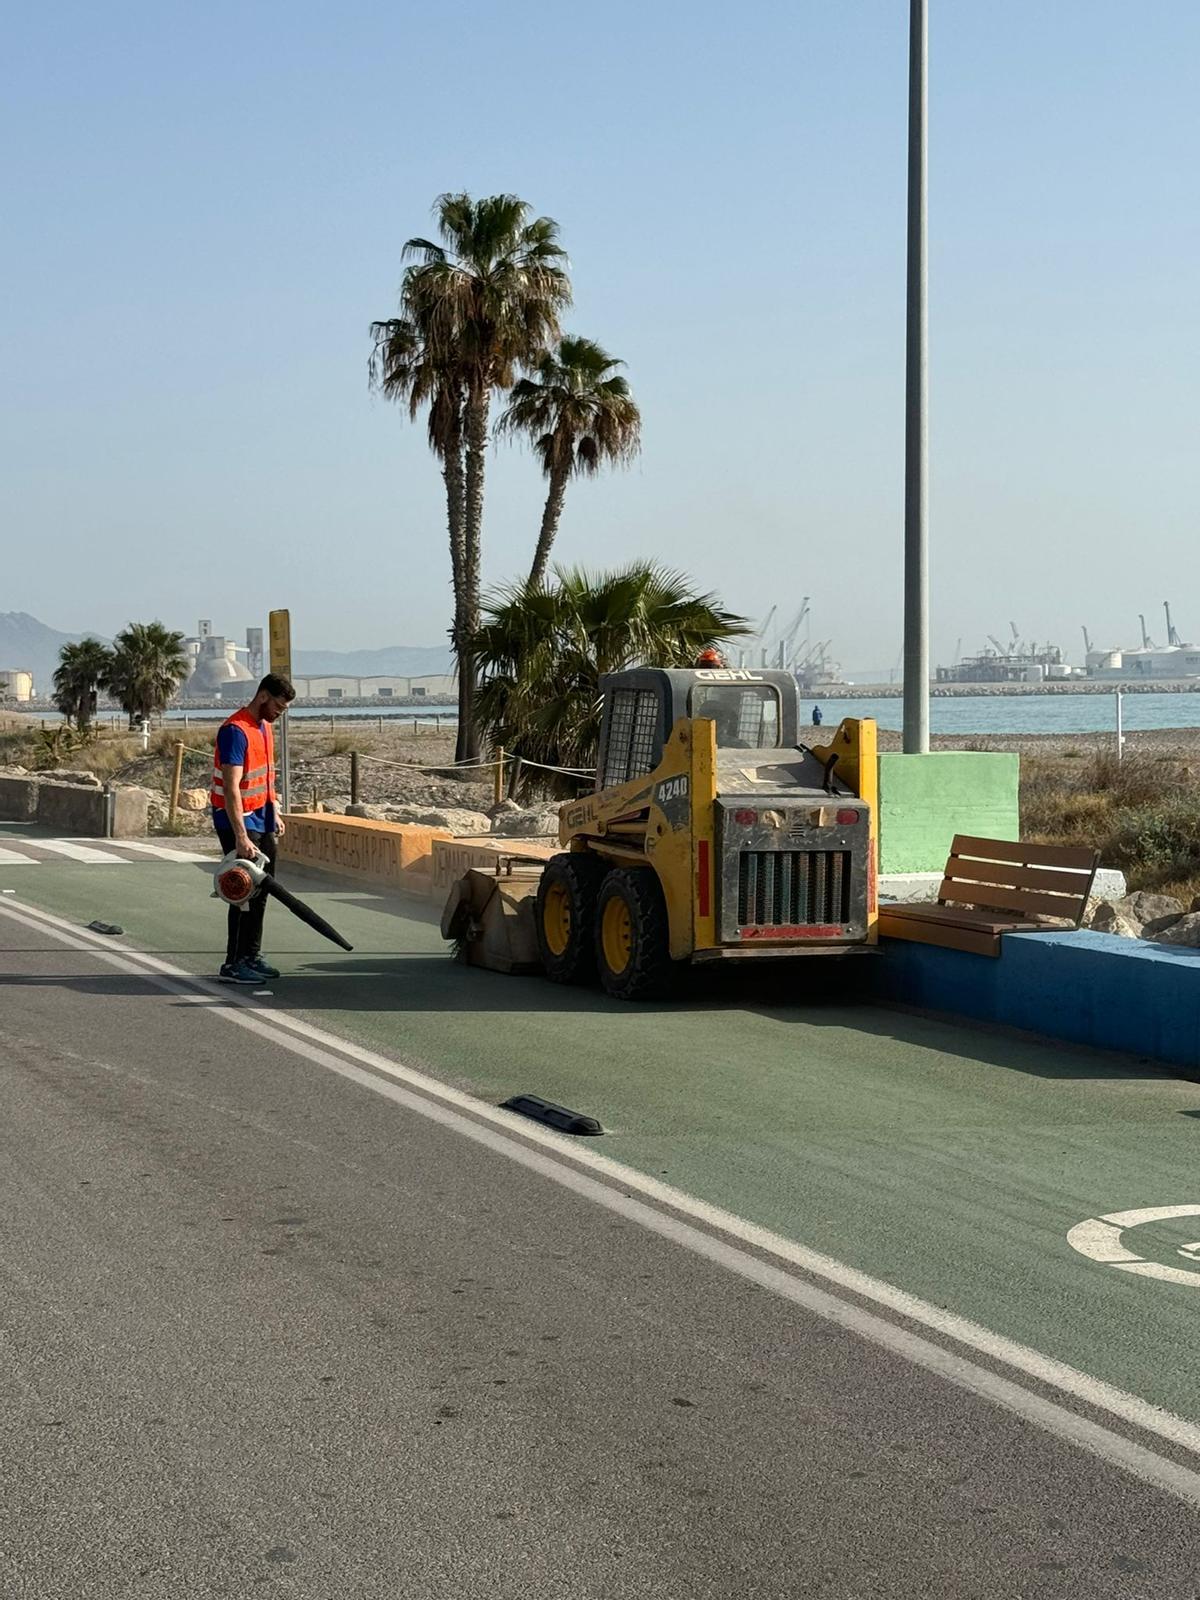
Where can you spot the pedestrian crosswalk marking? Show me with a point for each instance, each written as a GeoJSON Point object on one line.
{"type": "Point", "coordinates": [37, 852]}
{"type": "Point", "coordinates": [14, 858]}
{"type": "Point", "coordinates": [158, 851]}
{"type": "Point", "coordinates": [80, 852]}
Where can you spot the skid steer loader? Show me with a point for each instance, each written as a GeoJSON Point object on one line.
{"type": "Point", "coordinates": [713, 834]}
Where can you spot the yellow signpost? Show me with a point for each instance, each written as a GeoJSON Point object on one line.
{"type": "Point", "coordinates": [279, 632]}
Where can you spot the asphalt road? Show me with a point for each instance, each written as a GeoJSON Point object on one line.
{"type": "Point", "coordinates": [266, 1326]}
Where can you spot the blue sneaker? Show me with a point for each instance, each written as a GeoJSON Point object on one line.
{"type": "Point", "coordinates": [239, 972]}
{"type": "Point", "coordinates": [263, 968]}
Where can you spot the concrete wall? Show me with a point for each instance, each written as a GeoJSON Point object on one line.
{"type": "Point", "coordinates": [1088, 988]}
{"type": "Point", "coordinates": [453, 857]}
{"type": "Point", "coordinates": [18, 799]}
{"type": "Point", "coordinates": [395, 855]}
{"type": "Point", "coordinates": [925, 800]}
{"type": "Point", "coordinates": [130, 813]}
{"type": "Point", "coordinates": [75, 808]}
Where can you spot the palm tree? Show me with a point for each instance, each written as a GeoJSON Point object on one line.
{"type": "Point", "coordinates": [542, 650]}
{"type": "Point", "coordinates": [148, 665]}
{"type": "Point", "coordinates": [83, 669]}
{"type": "Point", "coordinates": [580, 415]}
{"type": "Point", "coordinates": [405, 368]}
{"type": "Point", "coordinates": [474, 308]}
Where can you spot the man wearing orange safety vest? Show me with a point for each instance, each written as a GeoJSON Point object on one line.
{"type": "Point", "coordinates": [245, 811]}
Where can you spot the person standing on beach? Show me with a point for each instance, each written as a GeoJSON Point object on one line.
{"type": "Point", "coordinates": [817, 717]}
{"type": "Point", "coordinates": [245, 813]}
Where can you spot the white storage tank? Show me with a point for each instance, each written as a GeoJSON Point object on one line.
{"type": "Point", "coordinates": [16, 685]}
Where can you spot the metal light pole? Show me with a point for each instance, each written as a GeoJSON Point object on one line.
{"type": "Point", "coordinates": [916, 385]}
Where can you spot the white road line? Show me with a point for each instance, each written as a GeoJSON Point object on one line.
{"type": "Point", "coordinates": [495, 1130]}
{"type": "Point", "coordinates": [14, 858]}
{"type": "Point", "coordinates": [158, 851]}
{"type": "Point", "coordinates": [80, 852]}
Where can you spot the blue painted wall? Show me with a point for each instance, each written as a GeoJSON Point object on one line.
{"type": "Point", "coordinates": [1088, 988]}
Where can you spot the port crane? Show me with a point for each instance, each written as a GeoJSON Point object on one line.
{"type": "Point", "coordinates": [787, 638]}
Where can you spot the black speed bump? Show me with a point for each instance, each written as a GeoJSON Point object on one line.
{"type": "Point", "coordinates": [539, 1110]}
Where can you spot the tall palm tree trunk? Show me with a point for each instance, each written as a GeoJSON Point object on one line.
{"type": "Point", "coordinates": [551, 515]}
{"type": "Point", "coordinates": [453, 477]}
{"type": "Point", "coordinates": [468, 626]}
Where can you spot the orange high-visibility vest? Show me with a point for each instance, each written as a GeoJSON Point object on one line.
{"type": "Point", "coordinates": [258, 773]}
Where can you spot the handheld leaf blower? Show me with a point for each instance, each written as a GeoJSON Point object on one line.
{"type": "Point", "coordinates": [237, 882]}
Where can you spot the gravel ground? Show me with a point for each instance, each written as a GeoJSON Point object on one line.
{"type": "Point", "coordinates": [394, 769]}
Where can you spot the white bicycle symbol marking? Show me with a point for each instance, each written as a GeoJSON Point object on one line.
{"type": "Point", "coordinates": [1099, 1238]}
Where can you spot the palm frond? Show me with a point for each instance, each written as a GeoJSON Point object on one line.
{"type": "Point", "coordinates": [542, 651]}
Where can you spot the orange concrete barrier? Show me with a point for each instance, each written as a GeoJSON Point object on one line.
{"type": "Point", "coordinates": [395, 855]}
{"type": "Point", "coordinates": [454, 857]}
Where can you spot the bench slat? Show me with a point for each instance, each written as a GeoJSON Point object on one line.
{"type": "Point", "coordinates": [1026, 901]}
{"type": "Point", "coordinates": [974, 941]}
{"type": "Point", "coordinates": [962, 869]}
{"type": "Point", "coordinates": [961, 916]}
{"type": "Point", "coordinates": [1025, 854]}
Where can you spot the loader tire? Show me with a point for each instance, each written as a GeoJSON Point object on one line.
{"type": "Point", "coordinates": [566, 916]}
{"type": "Point", "coordinates": [633, 951]}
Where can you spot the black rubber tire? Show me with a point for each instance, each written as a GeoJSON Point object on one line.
{"type": "Point", "coordinates": [576, 875]}
{"type": "Point", "coordinates": [650, 970]}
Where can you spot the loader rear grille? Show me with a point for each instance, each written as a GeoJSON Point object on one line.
{"type": "Point", "coordinates": [788, 888]}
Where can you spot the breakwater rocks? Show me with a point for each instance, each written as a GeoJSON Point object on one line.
{"type": "Point", "coordinates": [958, 691]}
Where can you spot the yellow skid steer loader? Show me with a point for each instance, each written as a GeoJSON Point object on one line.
{"type": "Point", "coordinates": [713, 834]}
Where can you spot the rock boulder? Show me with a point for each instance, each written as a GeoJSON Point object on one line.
{"type": "Point", "coordinates": [538, 822]}
{"type": "Point", "coordinates": [459, 821]}
{"type": "Point", "coordinates": [1112, 918]}
{"type": "Point", "coordinates": [1186, 931]}
{"type": "Point", "coordinates": [1145, 906]}
{"type": "Point", "coordinates": [70, 775]}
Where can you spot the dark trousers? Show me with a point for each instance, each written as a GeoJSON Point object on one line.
{"type": "Point", "coordinates": [245, 927]}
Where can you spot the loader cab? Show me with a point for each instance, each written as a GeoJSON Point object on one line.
{"type": "Point", "coordinates": [752, 710]}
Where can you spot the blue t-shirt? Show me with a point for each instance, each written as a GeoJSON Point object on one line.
{"type": "Point", "coordinates": [232, 745]}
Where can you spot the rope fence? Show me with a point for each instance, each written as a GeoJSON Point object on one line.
{"type": "Point", "coordinates": [496, 765]}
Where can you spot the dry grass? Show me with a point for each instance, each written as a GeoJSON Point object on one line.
{"type": "Point", "coordinates": [1142, 814]}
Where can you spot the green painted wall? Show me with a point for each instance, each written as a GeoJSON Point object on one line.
{"type": "Point", "coordinates": [925, 800]}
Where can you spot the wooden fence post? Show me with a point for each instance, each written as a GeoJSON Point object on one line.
{"type": "Point", "coordinates": [176, 781]}
{"type": "Point", "coordinates": [498, 777]}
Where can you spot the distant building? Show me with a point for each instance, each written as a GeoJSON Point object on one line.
{"type": "Point", "coordinates": [16, 686]}
{"type": "Point", "coordinates": [254, 653]}
{"type": "Point", "coordinates": [432, 686]}
{"type": "Point", "coordinates": [216, 673]}
{"type": "Point", "coordinates": [1001, 666]}
{"type": "Point", "coordinates": [1172, 661]}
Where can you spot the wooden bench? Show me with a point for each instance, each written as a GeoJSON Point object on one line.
{"type": "Point", "coordinates": [995, 886]}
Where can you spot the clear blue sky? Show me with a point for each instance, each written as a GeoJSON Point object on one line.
{"type": "Point", "coordinates": [205, 206]}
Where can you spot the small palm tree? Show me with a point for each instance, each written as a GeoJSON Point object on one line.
{"type": "Point", "coordinates": [542, 651]}
{"type": "Point", "coordinates": [83, 670]}
{"type": "Point", "coordinates": [148, 665]}
{"type": "Point", "coordinates": [474, 308]}
{"type": "Point", "coordinates": [580, 415]}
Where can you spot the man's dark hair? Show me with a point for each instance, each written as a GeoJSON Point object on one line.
{"type": "Point", "coordinates": [277, 685]}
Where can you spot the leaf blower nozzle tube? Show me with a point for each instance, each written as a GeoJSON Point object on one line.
{"type": "Point", "coordinates": [237, 882]}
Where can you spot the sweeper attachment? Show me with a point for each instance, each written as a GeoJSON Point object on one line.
{"type": "Point", "coordinates": [237, 882]}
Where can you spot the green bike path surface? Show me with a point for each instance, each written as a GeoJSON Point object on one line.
{"type": "Point", "coordinates": [947, 1160]}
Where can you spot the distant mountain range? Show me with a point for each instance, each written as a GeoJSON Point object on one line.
{"type": "Point", "coordinates": [27, 645]}
{"type": "Point", "coordinates": [30, 646]}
